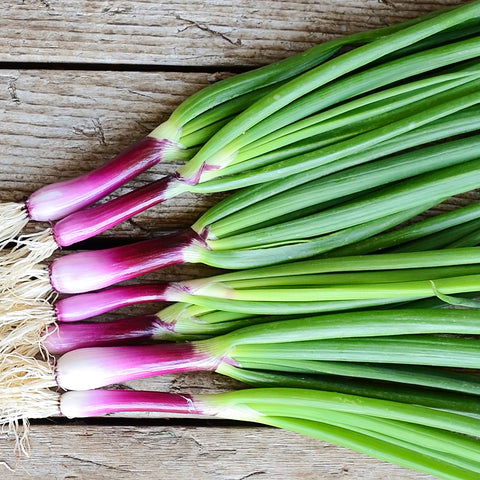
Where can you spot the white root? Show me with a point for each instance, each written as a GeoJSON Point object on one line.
{"type": "Point", "coordinates": [22, 264]}
{"type": "Point", "coordinates": [13, 219]}
{"type": "Point", "coordinates": [34, 247]}
{"type": "Point", "coordinates": [27, 391]}
{"type": "Point", "coordinates": [23, 327]}
{"type": "Point", "coordinates": [32, 289]}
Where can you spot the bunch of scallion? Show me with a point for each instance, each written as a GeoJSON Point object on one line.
{"type": "Point", "coordinates": [217, 304]}
{"type": "Point", "coordinates": [304, 221]}
{"type": "Point", "coordinates": [332, 149]}
{"type": "Point", "coordinates": [301, 369]}
{"type": "Point", "coordinates": [25, 321]}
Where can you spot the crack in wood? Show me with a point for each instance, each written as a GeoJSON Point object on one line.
{"type": "Point", "coordinates": [97, 131]}
{"type": "Point", "coordinates": [206, 28]}
{"type": "Point", "coordinates": [253, 474]}
{"type": "Point", "coordinates": [100, 132]}
{"type": "Point", "coordinates": [137, 226]}
{"type": "Point", "coordinates": [388, 3]}
{"type": "Point", "coordinates": [12, 90]}
{"type": "Point", "coordinates": [141, 94]}
{"type": "Point", "coordinates": [97, 464]}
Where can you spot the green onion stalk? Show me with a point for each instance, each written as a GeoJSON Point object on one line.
{"type": "Point", "coordinates": [277, 122]}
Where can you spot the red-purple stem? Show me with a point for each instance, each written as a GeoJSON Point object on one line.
{"type": "Point", "coordinates": [60, 199]}
{"type": "Point", "coordinates": [87, 223]}
{"type": "Point", "coordinates": [95, 367]}
{"type": "Point", "coordinates": [98, 402]}
{"type": "Point", "coordinates": [92, 270]}
{"type": "Point", "coordinates": [88, 305]}
{"type": "Point", "coordinates": [70, 336]}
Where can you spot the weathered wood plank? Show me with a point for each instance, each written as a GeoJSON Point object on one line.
{"type": "Point", "coordinates": [195, 33]}
{"type": "Point", "coordinates": [82, 450]}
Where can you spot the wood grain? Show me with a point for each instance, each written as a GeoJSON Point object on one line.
{"type": "Point", "coordinates": [59, 124]}
{"type": "Point", "coordinates": [204, 451]}
{"type": "Point", "coordinates": [194, 33]}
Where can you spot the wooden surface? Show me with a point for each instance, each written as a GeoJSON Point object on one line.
{"type": "Point", "coordinates": [80, 81]}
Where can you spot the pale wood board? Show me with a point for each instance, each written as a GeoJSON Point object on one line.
{"type": "Point", "coordinates": [119, 69]}
{"type": "Point", "coordinates": [195, 33]}
{"type": "Point", "coordinates": [205, 451]}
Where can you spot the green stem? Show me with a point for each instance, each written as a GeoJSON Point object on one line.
{"type": "Point", "coordinates": [384, 261]}
{"type": "Point", "coordinates": [374, 447]}
{"type": "Point", "coordinates": [354, 278]}
{"type": "Point", "coordinates": [435, 186]}
{"type": "Point", "coordinates": [409, 349]}
{"type": "Point", "coordinates": [250, 258]}
{"type": "Point", "coordinates": [270, 135]}
{"type": "Point", "coordinates": [455, 124]}
{"type": "Point", "coordinates": [295, 400]}
{"type": "Point", "coordinates": [455, 237]}
{"type": "Point", "coordinates": [467, 239]}
{"type": "Point", "coordinates": [290, 308]}
{"type": "Point", "coordinates": [224, 111]}
{"type": "Point", "coordinates": [452, 447]}
{"type": "Point", "coordinates": [424, 229]}
{"type": "Point", "coordinates": [350, 181]}
{"type": "Point", "coordinates": [355, 145]}
{"type": "Point", "coordinates": [407, 289]}
{"type": "Point", "coordinates": [318, 76]}
{"type": "Point", "coordinates": [178, 311]}
{"type": "Point", "coordinates": [418, 385]}
{"type": "Point", "coordinates": [367, 324]}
